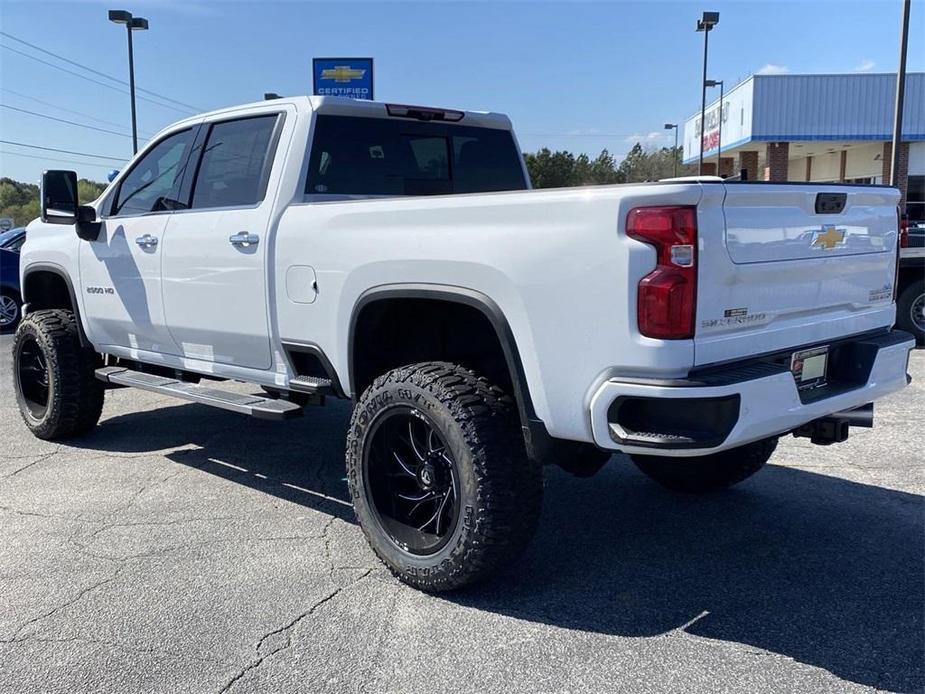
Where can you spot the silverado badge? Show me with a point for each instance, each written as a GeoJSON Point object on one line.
{"type": "Point", "coordinates": [828, 238]}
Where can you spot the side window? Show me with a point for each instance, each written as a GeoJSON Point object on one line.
{"type": "Point", "coordinates": [235, 163]}
{"type": "Point", "coordinates": [152, 183]}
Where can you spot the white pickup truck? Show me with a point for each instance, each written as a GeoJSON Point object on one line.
{"type": "Point", "coordinates": [396, 256]}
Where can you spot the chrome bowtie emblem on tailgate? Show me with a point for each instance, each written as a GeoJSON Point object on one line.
{"type": "Point", "coordinates": [828, 238]}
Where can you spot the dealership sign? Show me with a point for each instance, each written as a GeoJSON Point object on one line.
{"type": "Point", "coordinates": [737, 123]}
{"type": "Point", "coordinates": [349, 77]}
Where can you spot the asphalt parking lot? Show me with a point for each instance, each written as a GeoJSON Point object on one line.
{"type": "Point", "coordinates": [182, 549]}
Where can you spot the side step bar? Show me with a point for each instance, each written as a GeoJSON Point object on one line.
{"type": "Point", "coordinates": [313, 385]}
{"type": "Point", "coordinates": [253, 405]}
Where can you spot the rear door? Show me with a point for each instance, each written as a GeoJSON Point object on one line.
{"type": "Point", "coordinates": [214, 254]}
{"type": "Point", "coordinates": [789, 264]}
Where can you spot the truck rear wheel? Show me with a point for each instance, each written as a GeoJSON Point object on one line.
{"type": "Point", "coordinates": [910, 310]}
{"type": "Point", "coordinates": [57, 393]}
{"type": "Point", "coordinates": [439, 476]}
{"type": "Point", "coordinates": [707, 473]}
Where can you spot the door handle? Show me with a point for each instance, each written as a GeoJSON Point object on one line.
{"type": "Point", "coordinates": [244, 239]}
{"type": "Point", "coordinates": [146, 241]}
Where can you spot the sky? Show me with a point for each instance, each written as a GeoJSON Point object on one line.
{"type": "Point", "coordinates": [580, 76]}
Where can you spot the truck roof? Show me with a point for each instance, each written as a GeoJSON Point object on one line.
{"type": "Point", "coordinates": [336, 105]}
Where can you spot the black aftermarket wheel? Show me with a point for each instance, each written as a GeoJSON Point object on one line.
{"type": "Point", "coordinates": [56, 391]}
{"type": "Point", "coordinates": [440, 480]}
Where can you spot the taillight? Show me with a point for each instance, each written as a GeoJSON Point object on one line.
{"type": "Point", "coordinates": [667, 296]}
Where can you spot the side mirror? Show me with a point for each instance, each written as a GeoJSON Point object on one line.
{"type": "Point", "coordinates": [111, 176]}
{"type": "Point", "coordinates": [59, 197]}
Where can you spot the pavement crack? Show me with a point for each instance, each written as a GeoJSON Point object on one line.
{"type": "Point", "coordinates": [68, 603]}
{"type": "Point", "coordinates": [40, 459]}
{"type": "Point", "coordinates": [286, 630]}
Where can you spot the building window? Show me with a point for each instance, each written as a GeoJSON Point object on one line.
{"type": "Point", "coordinates": [915, 199]}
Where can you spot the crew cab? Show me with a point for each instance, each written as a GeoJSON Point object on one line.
{"type": "Point", "coordinates": [396, 256]}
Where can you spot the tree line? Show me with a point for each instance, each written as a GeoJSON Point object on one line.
{"type": "Point", "coordinates": [20, 201]}
{"type": "Point", "coordinates": [560, 169]}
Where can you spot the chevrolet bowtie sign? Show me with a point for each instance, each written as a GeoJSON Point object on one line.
{"type": "Point", "coordinates": [348, 77]}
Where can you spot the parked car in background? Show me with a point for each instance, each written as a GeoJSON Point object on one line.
{"type": "Point", "coordinates": [10, 295]}
{"type": "Point", "coordinates": [910, 295]}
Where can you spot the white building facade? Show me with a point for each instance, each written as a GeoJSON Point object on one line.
{"type": "Point", "coordinates": [820, 128]}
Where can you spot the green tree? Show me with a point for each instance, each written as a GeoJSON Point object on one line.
{"type": "Point", "coordinates": [20, 201]}
{"type": "Point", "coordinates": [551, 169]}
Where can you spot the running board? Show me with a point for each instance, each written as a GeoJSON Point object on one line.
{"type": "Point", "coordinates": [253, 405]}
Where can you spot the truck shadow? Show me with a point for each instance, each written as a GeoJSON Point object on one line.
{"type": "Point", "coordinates": [815, 568]}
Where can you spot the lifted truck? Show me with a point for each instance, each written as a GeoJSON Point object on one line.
{"type": "Point", "coordinates": [394, 255]}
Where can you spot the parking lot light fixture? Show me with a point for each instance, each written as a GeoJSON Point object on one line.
{"type": "Point", "coordinates": [131, 23]}
{"type": "Point", "coordinates": [674, 126]}
{"type": "Point", "coordinates": [705, 24]}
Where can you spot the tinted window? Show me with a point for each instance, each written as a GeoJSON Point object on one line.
{"type": "Point", "coordinates": [153, 182]}
{"type": "Point", "coordinates": [234, 163]}
{"type": "Point", "coordinates": [378, 156]}
{"type": "Point", "coordinates": [16, 244]}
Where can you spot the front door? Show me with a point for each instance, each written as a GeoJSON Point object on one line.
{"type": "Point", "coordinates": [120, 272]}
{"type": "Point", "coordinates": [214, 254]}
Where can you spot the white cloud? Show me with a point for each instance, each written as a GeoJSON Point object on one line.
{"type": "Point", "coordinates": [583, 131]}
{"type": "Point", "coordinates": [644, 138]}
{"type": "Point", "coordinates": [865, 65]}
{"type": "Point", "coordinates": [772, 69]}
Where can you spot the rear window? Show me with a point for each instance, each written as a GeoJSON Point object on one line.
{"type": "Point", "coordinates": [377, 156]}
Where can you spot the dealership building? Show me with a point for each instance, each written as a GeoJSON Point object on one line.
{"type": "Point", "coordinates": [820, 128]}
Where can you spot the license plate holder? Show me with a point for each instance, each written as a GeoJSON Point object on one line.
{"type": "Point", "coordinates": [810, 367]}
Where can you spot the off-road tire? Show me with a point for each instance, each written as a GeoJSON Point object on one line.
{"type": "Point", "coordinates": [708, 473]}
{"type": "Point", "coordinates": [75, 396]}
{"type": "Point", "coordinates": [908, 297]}
{"type": "Point", "coordinates": [500, 487]}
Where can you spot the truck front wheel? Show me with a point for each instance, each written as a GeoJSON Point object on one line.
{"type": "Point", "coordinates": [57, 393]}
{"type": "Point", "coordinates": [439, 476]}
{"type": "Point", "coordinates": [707, 473]}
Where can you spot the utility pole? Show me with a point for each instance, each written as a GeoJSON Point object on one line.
{"type": "Point", "coordinates": [900, 94]}
{"type": "Point", "coordinates": [705, 24]}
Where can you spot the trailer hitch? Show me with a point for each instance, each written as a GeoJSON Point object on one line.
{"type": "Point", "coordinates": [834, 428]}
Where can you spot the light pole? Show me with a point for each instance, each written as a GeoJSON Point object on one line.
{"type": "Point", "coordinates": [719, 139]}
{"type": "Point", "coordinates": [900, 92]}
{"type": "Point", "coordinates": [705, 24]}
{"type": "Point", "coordinates": [674, 126]}
{"type": "Point", "coordinates": [131, 24]}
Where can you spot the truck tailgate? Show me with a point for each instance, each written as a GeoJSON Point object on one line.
{"type": "Point", "coordinates": [786, 265]}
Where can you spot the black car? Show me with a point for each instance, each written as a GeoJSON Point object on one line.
{"type": "Point", "coordinates": [10, 294]}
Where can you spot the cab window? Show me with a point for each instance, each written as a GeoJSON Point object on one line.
{"type": "Point", "coordinates": [153, 182]}
{"type": "Point", "coordinates": [235, 163]}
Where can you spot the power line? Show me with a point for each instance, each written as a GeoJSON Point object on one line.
{"type": "Point", "coordinates": [63, 161]}
{"type": "Point", "coordinates": [61, 108]}
{"type": "Point", "coordinates": [90, 79]}
{"type": "Point", "coordinates": [64, 120]}
{"type": "Point", "coordinates": [97, 72]}
{"type": "Point", "coordinates": [63, 151]}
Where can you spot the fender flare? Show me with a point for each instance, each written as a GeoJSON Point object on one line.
{"type": "Point", "coordinates": [62, 273]}
{"type": "Point", "coordinates": [535, 432]}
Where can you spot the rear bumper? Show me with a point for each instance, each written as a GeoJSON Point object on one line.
{"type": "Point", "coordinates": [727, 407]}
